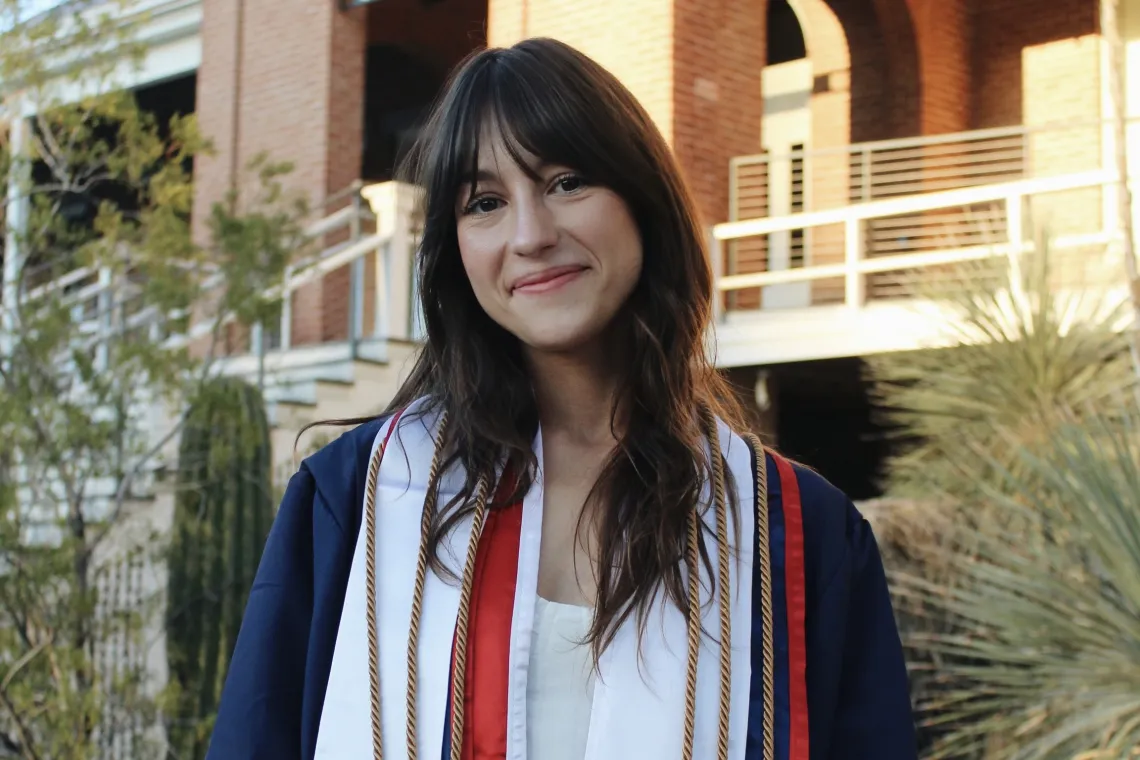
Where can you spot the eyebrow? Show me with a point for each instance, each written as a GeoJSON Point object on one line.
{"type": "Point", "coordinates": [481, 175]}
{"type": "Point", "coordinates": [489, 175]}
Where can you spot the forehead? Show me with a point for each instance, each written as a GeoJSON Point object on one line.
{"type": "Point", "coordinates": [499, 154]}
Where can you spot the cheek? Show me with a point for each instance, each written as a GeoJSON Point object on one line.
{"type": "Point", "coordinates": [632, 253]}
{"type": "Point", "coordinates": [481, 264]}
{"type": "Point", "coordinates": [618, 235]}
{"type": "Point", "coordinates": [636, 256]}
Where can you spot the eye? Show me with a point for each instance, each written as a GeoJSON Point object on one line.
{"type": "Point", "coordinates": [482, 205]}
{"type": "Point", "coordinates": [569, 183]}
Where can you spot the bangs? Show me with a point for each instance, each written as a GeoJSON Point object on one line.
{"type": "Point", "coordinates": [540, 106]}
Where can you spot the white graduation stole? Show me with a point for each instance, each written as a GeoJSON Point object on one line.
{"type": "Point", "coordinates": [638, 707]}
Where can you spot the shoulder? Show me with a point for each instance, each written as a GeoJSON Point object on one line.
{"type": "Point", "coordinates": [344, 455]}
{"type": "Point", "coordinates": [337, 471]}
{"type": "Point", "coordinates": [830, 525]}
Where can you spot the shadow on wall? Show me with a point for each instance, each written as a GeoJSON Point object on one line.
{"type": "Point", "coordinates": [819, 413]}
{"type": "Point", "coordinates": [399, 90]}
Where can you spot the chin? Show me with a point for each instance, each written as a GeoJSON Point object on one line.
{"type": "Point", "coordinates": [561, 339]}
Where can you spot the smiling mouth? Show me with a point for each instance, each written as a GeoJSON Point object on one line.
{"type": "Point", "coordinates": [551, 279]}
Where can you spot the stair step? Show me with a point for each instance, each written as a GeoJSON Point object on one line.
{"type": "Point", "coordinates": [291, 393]}
{"type": "Point", "coordinates": [329, 361]}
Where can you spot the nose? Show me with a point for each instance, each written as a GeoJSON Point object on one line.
{"type": "Point", "coordinates": [535, 230]}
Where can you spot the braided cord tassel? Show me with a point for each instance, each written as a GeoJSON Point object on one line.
{"type": "Point", "coordinates": [725, 597]}
{"type": "Point", "coordinates": [692, 560]}
{"type": "Point", "coordinates": [765, 559]}
{"type": "Point", "coordinates": [459, 680]}
{"type": "Point", "coordinates": [457, 711]}
{"type": "Point", "coordinates": [418, 592]}
{"type": "Point", "coordinates": [370, 602]}
{"type": "Point", "coordinates": [724, 600]}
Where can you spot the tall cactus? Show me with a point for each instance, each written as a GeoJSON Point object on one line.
{"type": "Point", "coordinates": [223, 511]}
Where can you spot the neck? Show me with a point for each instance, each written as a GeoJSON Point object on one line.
{"type": "Point", "coordinates": [575, 395]}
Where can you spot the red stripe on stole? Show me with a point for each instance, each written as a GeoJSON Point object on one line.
{"type": "Point", "coordinates": [489, 630]}
{"type": "Point", "coordinates": [797, 609]}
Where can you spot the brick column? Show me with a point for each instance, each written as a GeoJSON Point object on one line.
{"type": "Point", "coordinates": [288, 81]}
{"type": "Point", "coordinates": [633, 39]}
{"type": "Point", "coordinates": [944, 33]}
{"type": "Point", "coordinates": [1046, 100]}
{"type": "Point", "coordinates": [719, 53]}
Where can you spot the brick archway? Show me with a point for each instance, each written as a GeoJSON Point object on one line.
{"type": "Point", "coordinates": [865, 56]}
{"type": "Point", "coordinates": [830, 56]}
{"type": "Point", "coordinates": [824, 34]}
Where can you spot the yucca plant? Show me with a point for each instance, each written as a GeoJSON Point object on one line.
{"type": "Point", "coordinates": [1019, 348]}
{"type": "Point", "coordinates": [1025, 355]}
{"type": "Point", "coordinates": [1039, 652]}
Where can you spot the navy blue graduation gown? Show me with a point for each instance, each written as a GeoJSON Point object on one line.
{"type": "Point", "coordinates": [857, 697]}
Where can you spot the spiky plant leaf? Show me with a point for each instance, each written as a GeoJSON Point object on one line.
{"type": "Point", "coordinates": [1022, 347]}
{"type": "Point", "coordinates": [1040, 653]}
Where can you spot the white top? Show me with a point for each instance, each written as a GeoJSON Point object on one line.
{"type": "Point", "coordinates": [560, 682]}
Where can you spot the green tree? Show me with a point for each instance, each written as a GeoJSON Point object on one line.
{"type": "Point", "coordinates": [113, 316]}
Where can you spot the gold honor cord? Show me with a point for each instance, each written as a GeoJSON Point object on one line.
{"type": "Point", "coordinates": [765, 560]}
{"type": "Point", "coordinates": [694, 627]}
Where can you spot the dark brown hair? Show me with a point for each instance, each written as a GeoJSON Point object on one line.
{"type": "Point", "coordinates": [553, 102]}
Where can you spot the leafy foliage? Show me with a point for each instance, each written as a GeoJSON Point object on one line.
{"type": "Point", "coordinates": [114, 318]}
{"type": "Point", "coordinates": [1041, 657]}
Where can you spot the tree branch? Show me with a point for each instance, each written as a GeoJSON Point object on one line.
{"type": "Point", "coordinates": [44, 439]}
{"type": "Point", "coordinates": [26, 738]}
{"type": "Point", "coordinates": [20, 664]}
{"type": "Point", "coordinates": [129, 478]}
{"type": "Point", "coordinates": [9, 745]}
{"type": "Point", "coordinates": [20, 622]}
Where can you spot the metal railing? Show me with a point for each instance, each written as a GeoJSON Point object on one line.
{"type": "Point", "coordinates": [861, 172]}
{"type": "Point", "coordinates": [846, 176]}
{"type": "Point", "coordinates": [852, 276]}
{"type": "Point", "coordinates": [378, 240]}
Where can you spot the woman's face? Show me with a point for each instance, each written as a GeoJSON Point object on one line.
{"type": "Point", "coordinates": [551, 258]}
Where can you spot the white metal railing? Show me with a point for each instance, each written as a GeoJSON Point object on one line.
{"type": "Point", "coordinates": [380, 236]}
{"type": "Point", "coordinates": [860, 172]}
{"type": "Point", "coordinates": [1017, 200]}
{"type": "Point", "coordinates": [837, 177]}
{"type": "Point", "coordinates": [377, 225]}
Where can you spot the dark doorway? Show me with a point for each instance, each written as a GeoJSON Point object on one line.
{"type": "Point", "coordinates": [54, 251]}
{"type": "Point", "coordinates": [785, 36]}
{"type": "Point", "coordinates": [399, 90]}
{"type": "Point", "coordinates": [824, 419]}
{"type": "Point", "coordinates": [163, 100]}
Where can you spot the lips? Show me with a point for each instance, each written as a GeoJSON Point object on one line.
{"type": "Point", "coordinates": [547, 279]}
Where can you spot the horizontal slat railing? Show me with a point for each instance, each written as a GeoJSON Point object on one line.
{"type": "Point", "coordinates": [838, 177]}
{"type": "Point", "coordinates": [867, 171]}
{"type": "Point", "coordinates": [101, 304]}
{"type": "Point", "coordinates": [1016, 200]}
{"type": "Point", "coordinates": [912, 204]}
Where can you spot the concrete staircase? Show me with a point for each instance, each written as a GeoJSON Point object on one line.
{"type": "Point", "coordinates": [325, 382]}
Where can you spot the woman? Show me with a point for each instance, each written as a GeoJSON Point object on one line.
{"type": "Point", "coordinates": [562, 555]}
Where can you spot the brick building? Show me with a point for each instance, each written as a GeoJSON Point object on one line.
{"type": "Point", "coordinates": [826, 141]}
{"type": "Point", "coordinates": [837, 149]}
